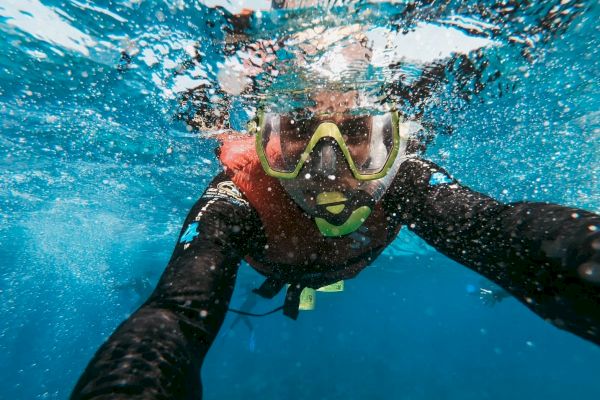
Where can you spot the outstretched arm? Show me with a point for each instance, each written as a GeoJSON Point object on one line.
{"type": "Point", "coordinates": [546, 255]}
{"type": "Point", "coordinates": [158, 351]}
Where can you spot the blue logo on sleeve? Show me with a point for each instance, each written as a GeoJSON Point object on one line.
{"type": "Point", "coordinates": [190, 233]}
{"type": "Point", "coordinates": [438, 178]}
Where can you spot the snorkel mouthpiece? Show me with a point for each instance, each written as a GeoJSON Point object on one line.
{"type": "Point", "coordinates": [333, 201]}
{"type": "Point", "coordinates": [338, 218]}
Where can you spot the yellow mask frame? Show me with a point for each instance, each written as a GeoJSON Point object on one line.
{"type": "Point", "coordinates": [326, 130]}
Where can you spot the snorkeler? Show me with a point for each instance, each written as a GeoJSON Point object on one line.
{"type": "Point", "coordinates": [312, 197]}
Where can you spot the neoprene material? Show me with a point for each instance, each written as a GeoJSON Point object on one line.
{"type": "Point", "coordinates": [158, 351]}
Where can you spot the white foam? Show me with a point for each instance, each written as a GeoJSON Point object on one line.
{"type": "Point", "coordinates": [424, 45]}
{"type": "Point", "coordinates": [45, 23]}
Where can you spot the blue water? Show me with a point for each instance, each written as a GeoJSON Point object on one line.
{"type": "Point", "coordinates": [97, 175]}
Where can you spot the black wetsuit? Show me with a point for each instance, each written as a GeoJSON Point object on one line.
{"type": "Point", "coordinates": [545, 255]}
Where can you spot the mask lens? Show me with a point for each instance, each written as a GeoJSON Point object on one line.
{"type": "Point", "coordinates": [369, 140]}
{"type": "Point", "coordinates": [371, 151]}
{"type": "Point", "coordinates": [284, 139]}
{"type": "Point", "coordinates": [356, 132]}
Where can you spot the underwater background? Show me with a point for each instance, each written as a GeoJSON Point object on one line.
{"type": "Point", "coordinates": [99, 166]}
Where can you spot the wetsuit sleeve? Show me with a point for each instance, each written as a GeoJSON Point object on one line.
{"type": "Point", "coordinates": [546, 255]}
{"type": "Point", "coordinates": [158, 351]}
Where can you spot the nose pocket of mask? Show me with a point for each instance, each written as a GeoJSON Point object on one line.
{"type": "Point", "coordinates": [325, 155]}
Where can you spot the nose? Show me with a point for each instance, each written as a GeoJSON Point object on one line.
{"type": "Point", "coordinates": [325, 158]}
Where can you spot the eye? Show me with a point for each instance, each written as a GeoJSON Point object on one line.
{"type": "Point", "coordinates": [355, 130]}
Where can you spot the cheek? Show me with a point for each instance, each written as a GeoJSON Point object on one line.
{"type": "Point", "coordinates": [360, 155]}
{"type": "Point", "coordinates": [292, 149]}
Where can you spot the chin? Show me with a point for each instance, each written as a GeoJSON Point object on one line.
{"type": "Point", "coordinates": [305, 193]}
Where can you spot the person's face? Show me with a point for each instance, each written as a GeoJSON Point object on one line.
{"type": "Point", "coordinates": [326, 169]}
{"type": "Point", "coordinates": [318, 177]}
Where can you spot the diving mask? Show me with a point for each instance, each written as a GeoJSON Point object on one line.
{"type": "Point", "coordinates": [369, 144]}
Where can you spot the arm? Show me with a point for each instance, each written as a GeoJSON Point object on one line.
{"type": "Point", "coordinates": [546, 255]}
{"type": "Point", "coordinates": [158, 351]}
